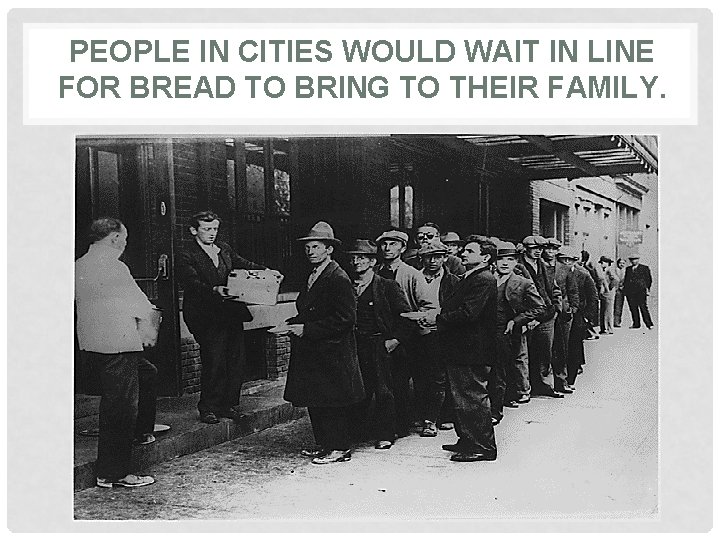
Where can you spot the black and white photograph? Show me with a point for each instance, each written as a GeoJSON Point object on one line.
{"type": "Point", "coordinates": [419, 326]}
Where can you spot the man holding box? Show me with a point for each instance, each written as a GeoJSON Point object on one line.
{"type": "Point", "coordinates": [213, 317]}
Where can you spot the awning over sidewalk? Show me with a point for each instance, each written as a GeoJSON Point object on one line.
{"type": "Point", "coordinates": [541, 157]}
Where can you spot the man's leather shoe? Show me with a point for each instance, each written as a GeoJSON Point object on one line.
{"type": "Point", "coordinates": [495, 420]}
{"type": "Point", "coordinates": [209, 418]}
{"type": "Point", "coordinates": [230, 413]}
{"type": "Point", "coordinates": [452, 447]}
{"type": "Point", "coordinates": [580, 370]}
{"type": "Point", "coordinates": [565, 389]}
{"type": "Point", "coordinates": [446, 426]}
{"type": "Point", "coordinates": [466, 457]}
{"type": "Point", "coordinates": [556, 395]}
{"type": "Point", "coordinates": [313, 452]}
{"type": "Point", "coordinates": [512, 404]}
{"type": "Point", "coordinates": [336, 456]}
{"type": "Point", "coordinates": [633, 326]}
{"type": "Point", "coordinates": [523, 399]}
{"type": "Point", "coordinates": [383, 445]}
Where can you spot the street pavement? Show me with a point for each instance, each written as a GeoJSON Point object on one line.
{"type": "Point", "coordinates": [591, 455]}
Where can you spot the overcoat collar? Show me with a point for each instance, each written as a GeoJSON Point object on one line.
{"type": "Point", "coordinates": [308, 297]}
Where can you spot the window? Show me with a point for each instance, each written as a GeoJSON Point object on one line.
{"type": "Point", "coordinates": [553, 218]}
{"type": "Point", "coordinates": [401, 211]}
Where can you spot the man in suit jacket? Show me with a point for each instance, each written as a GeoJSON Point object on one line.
{"type": "Point", "coordinates": [518, 304]}
{"type": "Point", "coordinates": [466, 325]}
{"type": "Point", "coordinates": [324, 373]}
{"type": "Point", "coordinates": [636, 287]}
{"type": "Point", "coordinates": [541, 332]}
{"type": "Point", "coordinates": [570, 301]}
{"type": "Point", "coordinates": [429, 375]}
{"type": "Point", "coordinates": [379, 330]}
{"type": "Point", "coordinates": [213, 318]}
{"type": "Point", "coordinates": [587, 311]}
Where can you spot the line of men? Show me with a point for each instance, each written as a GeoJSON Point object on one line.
{"type": "Point", "coordinates": [475, 325]}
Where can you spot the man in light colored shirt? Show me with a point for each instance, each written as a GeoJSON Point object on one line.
{"type": "Point", "coordinates": [109, 306]}
{"type": "Point", "coordinates": [429, 376]}
{"type": "Point", "coordinates": [391, 246]}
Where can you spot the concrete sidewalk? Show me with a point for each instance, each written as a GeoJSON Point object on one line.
{"type": "Point", "coordinates": [262, 407]}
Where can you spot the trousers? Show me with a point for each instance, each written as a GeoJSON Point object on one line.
{"type": "Point", "coordinates": [376, 370]}
{"type": "Point", "coordinates": [540, 346]}
{"type": "Point", "coordinates": [127, 408]}
{"type": "Point", "coordinates": [607, 311]}
{"type": "Point", "coordinates": [561, 342]}
{"type": "Point", "coordinates": [222, 356]}
{"type": "Point", "coordinates": [331, 427]}
{"type": "Point", "coordinates": [638, 306]}
{"type": "Point", "coordinates": [619, 304]}
{"type": "Point", "coordinates": [473, 419]}
{"type": "Point", "coordinates": [576, 347]}
{"type": "Point", "coordinates": [430, 382]}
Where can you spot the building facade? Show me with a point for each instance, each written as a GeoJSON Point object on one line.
{"type": "Point", "coordinates": [585, 190]}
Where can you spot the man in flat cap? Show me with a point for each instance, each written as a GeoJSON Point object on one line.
{"type": "Point", "coordinates": [429, 374]}
{"type": "Point", "coordinates": [518, 304]}
{"type": "Point", "coordinates": [570, 301]}
{"type": "Point", "coordinates": [542, 329]}
{"type": "Point", "coordinates": [379, 330]}
{"type": "Point", "coordinates": [213, 317]}
{"type": "Point", "coordinates": [391, 245]}
{"type": "Point", "coordinates": [587, 294]}
{"type": "Point", "coordinates": [324, 373]}
{"type": "Point", "coordinates": [637, 287]}
{"type": "Point", "coordinates": [425, 234]}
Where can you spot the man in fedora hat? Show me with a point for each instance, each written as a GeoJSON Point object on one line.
{"type": "Point", "coordinates": [453, 241]}
{"type": "Point", "coordinates": [425, 234]}
{"type": "Point", "coordinates": [570, 302]}
{"type": "Point", "coordinates": [213, 317]}
{"type": "Point", "coordinates": [587, 295]}
{"type": "Point", "coordinates": [466, 325]}
{"type": "Point", "coordinates": [379, 330]}
{"type": "Point", "coordinates": [518, 304]}
{"type": "Point", "coordinates": [429, 374]}
{"type": "Point", "coordinates": [391, 245]}
{"type": "Point", "coordinates": [324, 373]}
{"type": "Point", "coordinates": [542, 330]}
{"type": "Point", "coordinates": [608, 285]}
{"type": "Point", "coordinates": [637, 287]}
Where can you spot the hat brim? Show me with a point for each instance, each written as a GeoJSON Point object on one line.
{"type": "Point", "coordinates": [365, 253]}
{"type": "Point", "coordinates": [334, 241]}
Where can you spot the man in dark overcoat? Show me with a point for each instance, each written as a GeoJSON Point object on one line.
{"type": "Point", "coordinates": [636, 286]}
{"type": "Point", "coordinates": [213, 317]}
{"type": "Point", "coordinates": [466, 326]}
{"type": "Point", "coordinates": [324, 373]}
{"type": "Point", "coordinates": [379, 331]}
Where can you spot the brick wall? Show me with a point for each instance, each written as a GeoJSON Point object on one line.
{"type": "Point", "coordinates": [276, 350]}
{"type": "Point", "coordinates": [190, 361]}
{"type": "Point", "coordinates": [277, 355]}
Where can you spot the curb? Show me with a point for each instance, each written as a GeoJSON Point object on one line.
{"type": "Point", "coordinates": [198, 438]}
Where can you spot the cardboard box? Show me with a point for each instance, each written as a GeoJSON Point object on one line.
{"type": "Point", "coordinates": [254, 286]}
